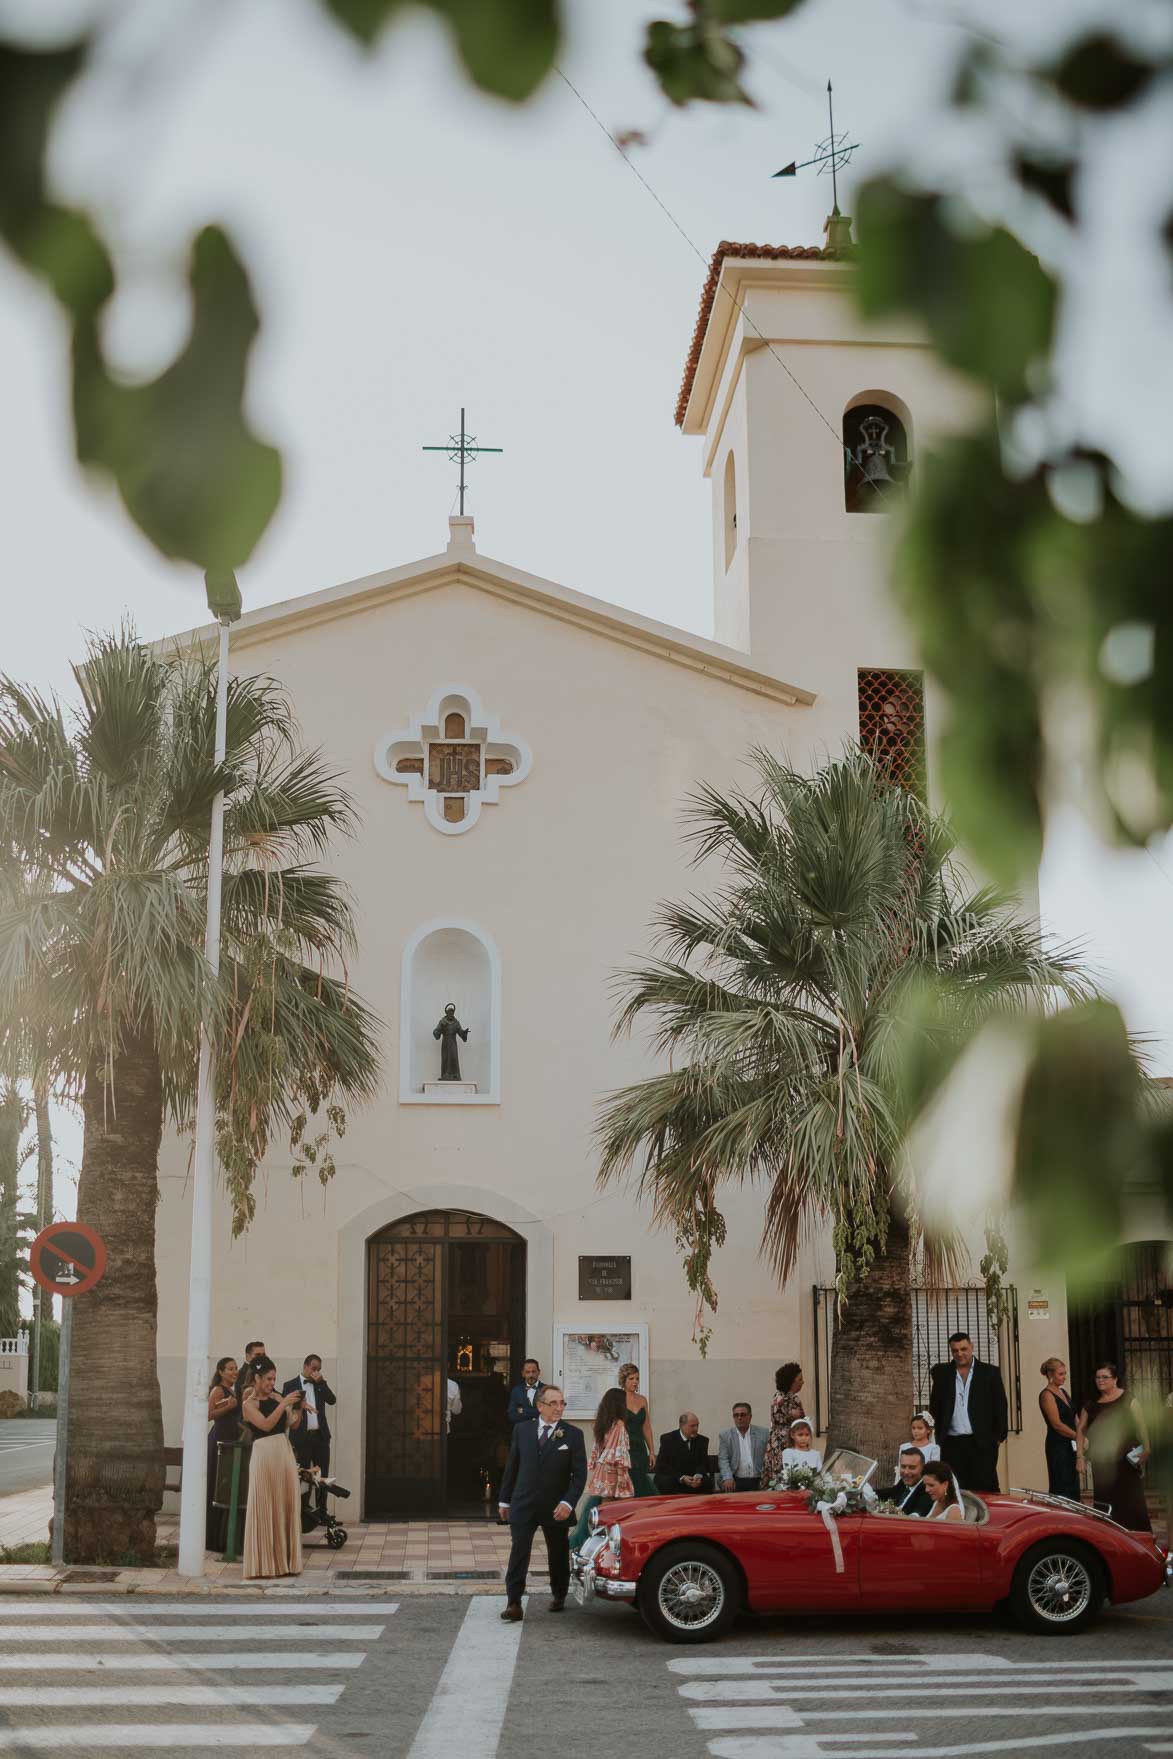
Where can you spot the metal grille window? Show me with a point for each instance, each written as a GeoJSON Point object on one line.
{"type": "Point", "coordinates": [892, 724]}
{"type": "Point", "coordinates": [935, 1314]}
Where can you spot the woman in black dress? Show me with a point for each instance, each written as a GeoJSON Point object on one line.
{"type": "Point", "coordinates": [1110, 1429]}
{"type": "Point", "coordinates": [224, 1411]}
{"type": "Point", "coordinates": [1060, 1418]}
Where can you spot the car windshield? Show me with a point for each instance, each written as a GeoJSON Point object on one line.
{"type": "Point", "coordinates": [843, 1463]}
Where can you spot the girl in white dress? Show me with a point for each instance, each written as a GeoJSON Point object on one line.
{"type": "Point", "coordinates": [921, 1430]}
{"type": "Point", "coordinates": [941, 1485]}
{"type": "Point", "coordinates": [800, 1452]}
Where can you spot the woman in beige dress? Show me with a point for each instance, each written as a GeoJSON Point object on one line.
{"type": "Point", "coordinates": [272, 1522]}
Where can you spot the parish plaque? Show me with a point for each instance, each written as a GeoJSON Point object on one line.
{"type": "Point", "coordinates": [604, 1279]}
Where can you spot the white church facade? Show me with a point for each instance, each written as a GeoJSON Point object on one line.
{"type": "Point", "coordinates": [520, 754]}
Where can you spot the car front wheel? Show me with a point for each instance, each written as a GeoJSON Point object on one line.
{"type": "Point", "coordinates": [1058, 1587]}
{"type": "Point", "coordinates": [690, 1593]}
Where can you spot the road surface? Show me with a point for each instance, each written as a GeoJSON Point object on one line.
{"type": "Point", "coordinates": [440, 1677]}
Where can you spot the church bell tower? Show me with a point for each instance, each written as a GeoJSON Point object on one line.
{"type": "Point", "coordinates": [810, 420]}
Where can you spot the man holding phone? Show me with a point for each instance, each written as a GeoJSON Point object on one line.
{"type": "Point", "coordinates": [316, 1396]}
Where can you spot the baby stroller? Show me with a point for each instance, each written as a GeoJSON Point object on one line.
{"type": "Point", "coordinates": [320, 1520]}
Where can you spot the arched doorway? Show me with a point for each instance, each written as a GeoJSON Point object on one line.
{"type": "Point", "coordinates": [445, 1301]}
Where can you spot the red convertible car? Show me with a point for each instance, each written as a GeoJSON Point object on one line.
{"type": "Point", "coordinates": [691, 1564]}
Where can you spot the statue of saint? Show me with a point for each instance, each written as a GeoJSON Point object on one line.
{"type": "Point", "coordinates": [448, 1030]}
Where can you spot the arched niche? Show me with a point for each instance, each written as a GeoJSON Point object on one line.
{"type": "Point", "coordinates": [450, 960]}
{"type": "Point", "coordinates": [877, 451]}
{"type": "Point", "coordinates": [730, 509]}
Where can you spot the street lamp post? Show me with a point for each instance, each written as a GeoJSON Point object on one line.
{"type": "Point", "coordinates": [225, 604]}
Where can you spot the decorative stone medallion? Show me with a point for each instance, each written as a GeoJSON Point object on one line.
{"type": "Point", "coordinates": [455, 758]}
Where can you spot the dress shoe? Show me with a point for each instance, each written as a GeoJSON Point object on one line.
{"type": "Point", "coordinates": [558, 1603]}
{"type": "Point", "coordinates": [513, 1612]}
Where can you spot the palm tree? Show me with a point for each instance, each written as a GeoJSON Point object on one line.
{"type": "Point", "coordinates": [843, 950]}
{"type": "Point", "coordinates": [103, 987]}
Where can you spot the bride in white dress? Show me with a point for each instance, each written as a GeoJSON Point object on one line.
{"type": "Point", "coordinates": [941, 1485]}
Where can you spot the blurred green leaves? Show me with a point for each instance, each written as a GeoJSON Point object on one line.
{"type": "Point", "coordinates": [192, 475]}
{"type": "Point", "coordinates": [507, 46]}
{"type": "Point", "coordinates": [194, 478]}
{"type": "Point", "coordinates": [988, 304]}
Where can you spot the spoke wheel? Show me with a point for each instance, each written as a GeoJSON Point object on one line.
{"type": "Point", "coordinates": [691, 1595]}
{"type": "Point", "coordinates": [690, 1592]}
{"type": "Point", "coordinates": [1059, 1587]}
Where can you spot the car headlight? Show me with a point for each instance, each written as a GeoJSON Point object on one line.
{"type": "Point", "coordinates": [592, 1520]}
{"type": "Point", "coordinates": [615, 1539]}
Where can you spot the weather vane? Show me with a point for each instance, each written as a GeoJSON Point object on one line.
{"type": "Point", "coordinates": [462, 448]}
{"type": "Point", "coordinates": [830, 155]}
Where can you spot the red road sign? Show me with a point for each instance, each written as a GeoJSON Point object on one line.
{"type": "Point", "coordinates": [68, 1258]}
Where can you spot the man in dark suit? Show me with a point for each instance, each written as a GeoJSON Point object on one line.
{"type": "Point", "coordinates": [545, 1475]}
{"type": "Point", "coordinates": [682, 1459]}
{"type": "Point", "coordinates": [314, 1441]}
{"type": "Point", "coordinates": [968, 1406]}
{"type": "Point", "coordinates": [908, 1493]}
{"type": "Point", "coordinates": [523, 1400]}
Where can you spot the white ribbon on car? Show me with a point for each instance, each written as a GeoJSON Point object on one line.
{"type": "Point", "coordinates": [828, 1511]}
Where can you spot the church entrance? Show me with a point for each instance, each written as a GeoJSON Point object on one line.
{"type": "Point", "coordinates": [445, 1303]}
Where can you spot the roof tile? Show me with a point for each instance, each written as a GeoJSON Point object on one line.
{"type": "Point", "coordinates": [771, 252]}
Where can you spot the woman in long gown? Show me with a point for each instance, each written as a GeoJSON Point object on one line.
{"type": "Point", "coordinates": [1110, 1427]}
{"type": "Point", "coordinates": [638, 1417]}
{"type": "Point", "coordinates": [785, 1408]}
{"type": "Point", "coordinates": [224, 1411]}
{"type": "Point", "coordinates": [272, 1523]}
{"type": "Point", "coordinates": [609, 1471]}
{"type": "Point", "coordinates": [1060, 1417]}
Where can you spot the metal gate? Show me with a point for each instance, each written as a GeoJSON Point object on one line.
{"type": "Point", "coordinates": [935, 1314]}
{"type": "Point", "coordinates": [1130, 1324]}
{"type": "Point", "coordinates": [410, 1354]}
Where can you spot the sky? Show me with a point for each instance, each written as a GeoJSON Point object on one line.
{"type": "Point", "coordinates": [416, 247]}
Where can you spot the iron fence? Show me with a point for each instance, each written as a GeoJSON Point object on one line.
{"type": "Point", "coordinates": [935, 1314]}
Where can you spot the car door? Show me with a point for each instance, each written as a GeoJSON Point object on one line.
{"type": "Point", "coordinates": [913, 1562]}
{"type": "Point", "coordinates": [792, 1562]}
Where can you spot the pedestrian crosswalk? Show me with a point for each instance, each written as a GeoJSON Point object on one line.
{"type": "Point", "coordinates": [873, 1706]}
{"type": "Point", "coordinates": [171, 1641]}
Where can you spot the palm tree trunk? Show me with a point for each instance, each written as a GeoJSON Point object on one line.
{"type": "Point", "coordinates": [11, 1123]}
{"type": "Point", "coordinates": [871, 1358]}
{"type": "Point", "coordinates": [115, 1472]}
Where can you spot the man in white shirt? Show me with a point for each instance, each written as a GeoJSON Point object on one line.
{"type": "Point", "coordinates": [741, 1451]}
{"type": "Point", "coordinates": [316, 1395]}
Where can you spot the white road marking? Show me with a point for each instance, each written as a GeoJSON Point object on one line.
{"type": "Point", "coordinates": [135, 1633]}
{"type": "Point", "coordinates": [141, 1606]}
{"type": "Point", "coordinates": [160, 1734]}
{"type": "Point", "coordinates": [204, 1661]}
{"type": "Point", "coordinates": [758, 1691]}
{"type": "Point", "coordinates": [810, 1746]}
{"type": "Point", "coordinates": [150, 1697]}
{"type": "Point", "coordinates": [847, 1664]}
{"type": "Point", "coordinates": [783, 1717]}
{"type": "Point", "coordinates": [469, 1703]}
{"type": "Point", "coordinates": [20, 1447]}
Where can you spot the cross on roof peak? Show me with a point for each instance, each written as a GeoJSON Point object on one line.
{"type": "Point", "coordinates": [462, 448]}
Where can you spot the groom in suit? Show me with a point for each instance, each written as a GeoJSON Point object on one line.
{"type": "Point", "coordinates": [545, 1475]}
{"type": "Point", "coordinates": [908, 1493]}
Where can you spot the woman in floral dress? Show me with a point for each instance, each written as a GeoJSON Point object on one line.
{"type": "Point", "coordinates": [784, 1408]}
{"type": "Point", "coordinates": [609, 1472]}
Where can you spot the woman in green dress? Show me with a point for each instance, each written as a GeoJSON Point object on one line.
{"type": "Point", "coordinates": [639, 1432]}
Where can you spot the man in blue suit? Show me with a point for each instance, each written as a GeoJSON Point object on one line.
{"type": "Point", "coordinates": [545, 1475]}
{"type": "Point", "coordinates": [523, 1400]}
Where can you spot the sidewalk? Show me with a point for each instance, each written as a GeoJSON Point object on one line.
{"type": "Point", "coordinates": [462, 1556]}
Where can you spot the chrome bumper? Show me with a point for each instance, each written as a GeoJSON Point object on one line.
{"type": "Point", "coordinates": [587, 1582]}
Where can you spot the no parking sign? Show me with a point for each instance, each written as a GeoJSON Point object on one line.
{"type": "Point", "coordinates": [67, 1258]}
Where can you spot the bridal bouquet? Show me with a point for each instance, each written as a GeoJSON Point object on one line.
{"type": "Point", "coordinates": [843, 1498]}
{"type": "Point", "coordinates": [809, 1478]}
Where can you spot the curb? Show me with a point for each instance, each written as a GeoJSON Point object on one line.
{"type": "Point", "coordinates": [203, 1586]}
